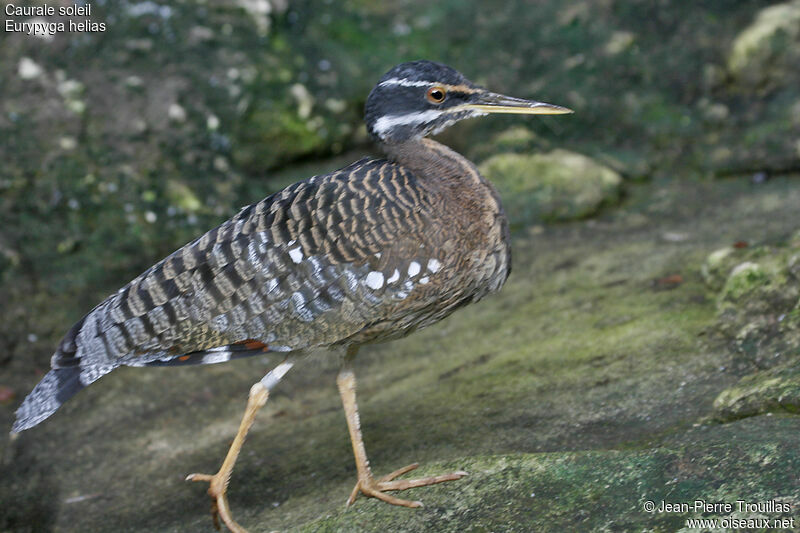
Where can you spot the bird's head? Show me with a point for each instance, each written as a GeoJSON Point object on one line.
{"type": "Point", "coordinates": [422, 98]}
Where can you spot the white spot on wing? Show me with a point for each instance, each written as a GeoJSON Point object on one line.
{"type": "Point", "coordinates": [375, 280]}
{"type": "Point", "coordinates": [413, 269]}
{"type": "Point", "coordinates": [395, 276]}
{"type": "Point", "coordinates": [434, 265]}
{"type": "Point", "coordinates": [296, 254]}
{"type": "Point", "coordinates": [216, 357]}
{"type": "Point", "coordinates": [424, 280]}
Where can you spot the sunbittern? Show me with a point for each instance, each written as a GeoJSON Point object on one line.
{"type": "Point", "coordinates": [368, 253]}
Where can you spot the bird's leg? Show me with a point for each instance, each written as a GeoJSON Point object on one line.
{"type": "Point", "coordinates": [218, 483]}
{"type": "Point", "coordinates": [366, 484]}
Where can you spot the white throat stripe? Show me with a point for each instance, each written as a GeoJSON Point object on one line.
{"type": "Point", "coordinates": [389, 122]}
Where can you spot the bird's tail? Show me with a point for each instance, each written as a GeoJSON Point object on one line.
{"type": "Point", "coordinates": [57, 386]}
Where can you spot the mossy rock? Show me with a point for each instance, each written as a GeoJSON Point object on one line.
{"type": "Point", "coordinates": [718, 265]}
{"type": "Point", "coordinates": [761, 284]}
{"type": "Point", "coordinates": [516, 139]}
{"type": "Point", "coordinates": [757, 305]}
{"type": "Point", "coordinates": [598, 490]}
{"type": "Point", "coordinates": [746, 280]}
{"type": "Point", "coordinates": [576, 384]}
{"type": "Point", "coordinates": [768, 50]}
{"type": "Point", "coordinates": [270, 136]}
{"type": "Point", "coordinates": [556, 186]}
{"type": "Point", "coordinates": [773, 390]}
{"type": "Point", "coordinates": [631, 164]}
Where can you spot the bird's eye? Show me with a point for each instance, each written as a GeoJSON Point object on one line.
{"type": "Point", "coordinates": [436, 95]}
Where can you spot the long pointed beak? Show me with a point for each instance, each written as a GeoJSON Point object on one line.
{"type": "Point", "coordinates": [498, 103]}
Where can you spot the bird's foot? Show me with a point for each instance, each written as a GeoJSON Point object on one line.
{"type": "Point", "coordinates": [218, 483]}
{"type": "Point", "coordinates": [377, 488]}
{"type": "Point", "coordinates": [217, 489]}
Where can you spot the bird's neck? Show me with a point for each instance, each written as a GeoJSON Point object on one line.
{"type": "Point", "coordinates": [428, 159]}
{"type": "Point", "coordinates": [438, 168]}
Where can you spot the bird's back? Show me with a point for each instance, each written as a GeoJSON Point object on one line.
{"type": "Point", "coordinates": [370, 252]}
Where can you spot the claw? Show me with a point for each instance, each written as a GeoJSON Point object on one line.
{"type": "Point", "coordinates": [378, 488]}
{"type": "Point", "coordinates": [366, 484]}
{"type": "Point", "coordinates": [219, 501]}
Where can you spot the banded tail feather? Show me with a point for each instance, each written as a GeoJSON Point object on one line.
{"type": "Point", "coordinates": [62, 383]}
{"type": "Point", "coordinates": [57, 386]}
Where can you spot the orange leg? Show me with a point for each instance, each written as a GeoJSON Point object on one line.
{"type": "Point", "coordinates": [366, 484]}
{"type": "Point", "coordinates": [218, 483]}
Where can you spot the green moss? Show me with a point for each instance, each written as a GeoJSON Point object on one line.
{"type": "Point", "coordinates": [767, 49]}
{"type": "Point", "coordinates": [793, 266]}
{"type": "Point", "coordinates": [773, 390]}
{"type": "Point", "coordinates": [588, 353]}
{"type": "Point", "coordinates": [631, 164]}
{"type": "Point", "coordinates": [755, 305]}
{"type": "Point", "coordinates": [763, 282]}
{"type": "Point", "coordinates": [596, 491]}
{"type": "Point", "coordinates": [268, 137]}
{"type": "Point", "coordinates": [744, 280]}
{"type": "Point", "coordinates": [717, 267]}
{"type": "Point", "coordinates": [518, 139]}
{"type": "Point", "coordinates": [581, 354]}
{"type": "Point", "coordinates": [559, 185]}
{"type": "Point", "coordinates": [180, 195]}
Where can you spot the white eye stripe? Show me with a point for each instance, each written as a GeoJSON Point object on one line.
{"type": "Point", "coordinates": [402, 82]}
{"type": "Point", "coordinates": [405, 83]}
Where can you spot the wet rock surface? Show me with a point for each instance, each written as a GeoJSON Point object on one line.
{"type": "Point", "coordinates": [645, 347]}
{"type": "Point", "coordinates": [589, 382]}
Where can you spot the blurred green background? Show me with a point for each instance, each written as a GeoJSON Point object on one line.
{"type": "Point", "coordinates": [118, 147]}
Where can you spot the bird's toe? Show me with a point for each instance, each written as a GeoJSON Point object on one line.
{"type": "Point", "coordinates": [378, 488]}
